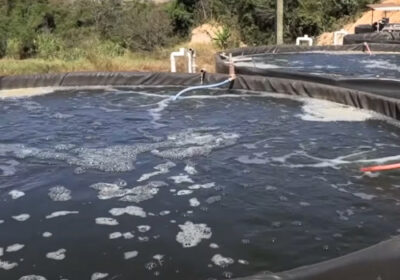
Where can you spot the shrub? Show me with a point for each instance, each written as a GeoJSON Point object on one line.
{"type": "Point", "coordinates": [48, 46]}
{"type": "Point", "coordinates": [13, 48]}
{"type": "Point", "coordinates": [144, 27]}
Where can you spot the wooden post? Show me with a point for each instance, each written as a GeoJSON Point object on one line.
{"type": "Point", "coordinates": [279, 22]}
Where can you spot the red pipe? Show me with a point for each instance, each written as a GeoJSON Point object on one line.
{"type": "Point", "coordinates": [381, 168]}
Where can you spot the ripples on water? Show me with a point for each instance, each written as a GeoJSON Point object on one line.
{"type": "Point", "coordinates": [120, 183]}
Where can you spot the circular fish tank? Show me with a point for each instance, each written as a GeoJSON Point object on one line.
{"type": "Point", "coordinates": [121, 182]}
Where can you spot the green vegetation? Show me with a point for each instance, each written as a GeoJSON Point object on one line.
{"type": "Point", "coordinates": [68, 35]}
{"type": "Point", "coordinates": [254, 20]}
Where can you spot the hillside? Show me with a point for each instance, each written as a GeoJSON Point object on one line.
{"type": "Point", "coordinates": [365, 18]}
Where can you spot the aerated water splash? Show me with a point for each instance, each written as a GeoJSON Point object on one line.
{"type": "Point", "coordinates": [147, 188]}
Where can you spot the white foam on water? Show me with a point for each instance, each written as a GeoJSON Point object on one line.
{"type": "Point", "coordinates": [380, 64]}
{"type": "Point", "coordinates": [109, 191]}
{"type": "Point", "coordinates": [15, 194]}
{"type": "Point", "coordinates": [222, 261]}
{"type": "Point", "coordinates": [25, 92]}
{"type": "Point", "coordinates": [141, 193]}
{"type": "Point", "coordinates": [64, 147]}
{"type": "Point", "coordinates": [21, 217]}
{"type": "Point", "coordinates": [335, 163]}
{"type": "Point", "coordinates": [61, 214]}
{"type": "Point", "coordinates": [129, 210]}
{"type": "Point", "coordinates": [7, 265]}
{"type": "Point", "coordinates": [325, 111]}
{"type": "Point", "coordinates": [244, 262]}
{"type": "Point", "coordinates": [9, 169]}
{"type": "Point", "coordinates": [1, 251]}
{"type": "Point", "coordinates": [59, 193]}
{"type": "Point", "coordinates": [1, 222]}
{"type": "Point", "coordinates": [104, 221]}
{"type": "Point", "coordinates": [115, 235]}
{"type": "Point", "coordinates": [121, 158]}
{"type": "Point", "coordinates": [32, 277]}
{"type": "Point", "coordinates": [162, 169]}
{"type": "Point", "coordinates": [364, 196]}
{"type": "Point", "coordinates": [130, 255]}
{"type": "Point", "coordinates": [98, 276]}
{"type": "Point", "coordinates": [143, 239]}
{"type": "Point", "coordinates": [190, 169]}
{"type": "Point", "coordinates": [245, 159]}
{"type": "Point", "coordinates": [128, 235]}
{"type": "Point", "coordinates": [58, 255]}
{"type": "Point", "coordinates": [191, 234]}
{"type": "Point", "coordinates": [156, 112]}
{"type": "Point", "coordinates": [194, 202]}
{"type": "Point", "coordinates": [304, 204]}
{"type": "Point", "coordinates": [180, 179]}
{"type": "Point", "coordinates": [213, 199]}
{"type": "Point", "coordinates": [15, 248]}
{"type": "Point", "coordinates": [136, 194]}
{"type": "Point", "coordinates": [62, 116]}
{"type": "Point", "coordinates": [204, 186]}
{"type": "Point", "coordinates": [165, 213]}
{"type": "Point", "coordinates": [184, 192]}
{"type": "Point", "coordinates": [144, 228]}
{"type": "Point", "coordinates": [47, 234]}
{"type": "Point", "coordinates": [214, 246]}
{"type": "Point", "coordinates": [159, 258]}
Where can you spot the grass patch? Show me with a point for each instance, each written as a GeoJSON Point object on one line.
{"type": "Point", "coordinates": [157, 61]}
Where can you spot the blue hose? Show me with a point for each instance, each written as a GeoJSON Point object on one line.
{"type": "Point", "coordinates": [201, 87]}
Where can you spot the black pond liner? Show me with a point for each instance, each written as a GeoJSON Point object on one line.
{"type": "Point", "coordinates": [378, 262]}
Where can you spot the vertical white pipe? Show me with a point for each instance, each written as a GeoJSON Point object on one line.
{"type": "Point", "coordinates": [173, 63]}
{"type": "Point", "coordinates": [190, 61]}
{"type": "Point", "coordinates": [173, 60]}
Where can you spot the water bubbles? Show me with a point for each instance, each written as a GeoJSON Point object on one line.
{"type": "Point", "coordinates": [143, 228]}
{"type": "Point", "coordinates": [47, 234]}
{"type": "Point", "coordinates": [98, 276]}
{"type": "Point", "coordinates": [192, 234]}
{"type": "Point", "coordinates": [180, 179]}
{"type": "Point", "coordinates": [222, 261]}
{"type": "Point", "coordinates": [21, 217]}
{"type": "Point", "coordinates": [15, 194]}
{"type": "Point", "coordinates": [58, 255]}
{"type": "Point", "coordinates": [15, 247]}
{"type": "Point", "coordinates": [5, 265]}
{"type": "Point", "coordinates": [184, 192]}
{"type": "Point", "coordinates": [32, 277]}
{"type": "Point", "coordinates": [214, 246]}
{"type": "Point", "coordinates": [129, 210]}
{"type": "Point", "coordinates": [194, 202]}
{"type": "Point", "coordinates": [59, 193]}
{"type": "Point", "coordinates": [61, 213]}
{"type": "Point", "coordinates": [130, 255]}
{"type": "Point", "coordinates": [105, 221]}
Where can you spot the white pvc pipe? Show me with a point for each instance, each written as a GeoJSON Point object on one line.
{"type": "Point", "coordinates": [304, 39]}
{"type": "Point", "coordinates": [181, 52]}
{"type": "Point", "coordinates": [190, 60]}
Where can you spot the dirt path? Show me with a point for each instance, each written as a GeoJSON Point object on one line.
{"type": "Point", "coordinates": [366, 18]}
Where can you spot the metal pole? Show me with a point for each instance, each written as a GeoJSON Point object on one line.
{"type": "Point", "coordinates": [279, 22]}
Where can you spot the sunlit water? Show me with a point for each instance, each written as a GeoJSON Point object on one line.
{"type": "Point", "coordinates": [343, 64]}
{"type": "Point", "coordinates": [123, 184]}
